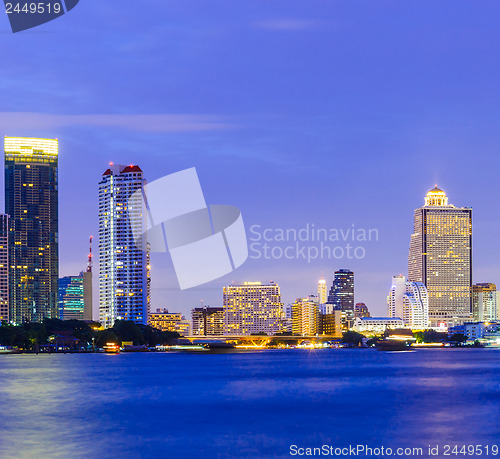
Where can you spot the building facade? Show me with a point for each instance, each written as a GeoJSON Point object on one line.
{"type": "Point", "coordinates": [169, 321]}
{"type": "Point", "coordinates": [341, 294]}
{"type": "Point", "coordinates": [484, 302]}
{"type": "Point", "coordinates": [361, 310]}
{"type": "Point", "coordinates": [123, 267]}
{"type": "Point", "coordinates": [395, 297]}
{"type": "Point", "coordinates": [71, 298]}
{"type": "Point", "coordinates": [416, 306]}
{"type": "Point", "coordinates": [377, 324]}
{"type": "Point", "coordinates": [88, 301]}
{"type": "Point", "coordinates": [306, 316]}
{"type": "Point", "coordinates": [207, 321]}
{"type": "Point", "coordinates": [409, 301]}
{"type": "Point", "coordinates": [31, 201]}
{"type": "Point", "coordinates": [75, 297]}
{"type": "Point", "coordinates": [322, 291]}
{"type": "Point", "coordinates": [4, 268]}
{"type": "Point", "coordinates": [252, 307]}
{"type": "Point", "coordinates": [440, 256]}
{"type": "Point", "coordinates": [331, 323]}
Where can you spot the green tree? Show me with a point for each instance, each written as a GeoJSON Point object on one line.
{"type": "Point", "coordinates": [353, 338]}
{"type": "Point", "coordinates": [128, 330]}
{"type": "Point", "coordinates": [458, 338]}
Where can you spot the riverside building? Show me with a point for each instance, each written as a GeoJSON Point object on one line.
{"type": "Point", "coordinates": [123, 267]}
{"type": "Point", "coordinates": [252, 307]}
{"type": "Point", "coordinates": [440, 257]}
{"type": "Point", "coordinates": [31, 201]}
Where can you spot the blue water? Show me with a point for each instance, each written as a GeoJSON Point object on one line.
{"type": "Point", "coordinates": [172, 405]}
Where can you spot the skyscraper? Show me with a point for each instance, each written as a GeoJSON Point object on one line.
{"type": "Point", "coordinates": [252, 307]}
{"type": "Point", "coordinates": [31, 201]}
{"type": "Point", "coordinates": [440, 256]}
{"type": "Point", "coordinates": [4, 268]}
{"type": "Point", "coordinates": [322, 291]}
{"type": "Point", "coordinates": [123, 267]}
{"type": "Point", "coordinates": [342, 293]}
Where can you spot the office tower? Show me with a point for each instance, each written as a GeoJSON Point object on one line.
{"type": "Point", "coordinates": [416, 306]}
{"type": "Point", "coordinates": [252, 307]}
{"type": "Point", "coordinates": [395, 298]}
{"type": "Point", "coordinates": [361, 310]}
{"type": "Point", "coordinates": [484, 302]}
{"type": "Point", "coordinates": [408, 301]}
{"type": "Point", "coordinates": [31, 202]}
{"type": "Point", "coordinates": [322, 291]}
{"type": "Point", "coordinates": [169, 321]}
{"type": "Point", "coordinates": [440, 256]}
{"type": "Point", "coordinates": [4, 268]}
{"type": "Point", "coordinates": [207, 321]}
{"type": "Point", "coordinates": [71, 298]}
{"type": "Point", "coordinates": [305, 316]}
{"type": "Point", "coordinates": [123, 267]}
{"type": "Point", "coordinates": [75, 297]}
{"type": "Point", "coordinates": [342, 294]}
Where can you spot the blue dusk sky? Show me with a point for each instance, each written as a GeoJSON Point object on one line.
{"type": "Point", "coordinates": [321, 112]}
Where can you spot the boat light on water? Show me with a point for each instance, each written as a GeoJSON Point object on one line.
{"type": "Point", "coordinates": [111, 348]}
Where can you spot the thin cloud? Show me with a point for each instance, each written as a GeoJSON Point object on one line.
{"type": "Point", "coordinates": [286, 24]}
{"type": "Point", "coordinates": [139, 123]}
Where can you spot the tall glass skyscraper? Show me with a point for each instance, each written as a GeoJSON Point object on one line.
{"type": "Point", "coordinates": [123, 267]}
{"type": "Point", "coordinates": [342, 292]}
{"type": "Point", "coordinates": [441, 257]}
{"type": "Point", "coordinates": [31, 201]}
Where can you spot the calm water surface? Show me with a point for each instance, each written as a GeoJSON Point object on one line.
{"type": "Point", "coordinates": [172, 405]}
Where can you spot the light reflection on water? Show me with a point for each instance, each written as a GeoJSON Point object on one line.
{"type": "Point", "coordinates": [251, 405]}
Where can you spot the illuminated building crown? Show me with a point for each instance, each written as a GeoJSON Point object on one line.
{"type": "Point", "coordinates": [436, 197]}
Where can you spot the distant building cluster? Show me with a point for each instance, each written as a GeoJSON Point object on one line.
{"type": "Point", "coordinates": [438, 291]}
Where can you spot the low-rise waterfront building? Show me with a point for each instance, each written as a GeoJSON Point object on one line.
{"type": "Point", "coordinates": [484, 302]}
{"type": "Point", "coordinates": [489, 331]}
{"type": "Point", "coordinates": [207, 321]}
{"type": "Point", "coordinates": [331, 323]}
{"type": "Point", "coordinates": [169, 321]}
{"type": "Point", "coordinates": [377, 324]}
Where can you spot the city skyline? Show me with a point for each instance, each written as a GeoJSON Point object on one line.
{"type": "Point", "coordinates": [371, 138]}
{"type": "Point", "coordinates": [186, 306]}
